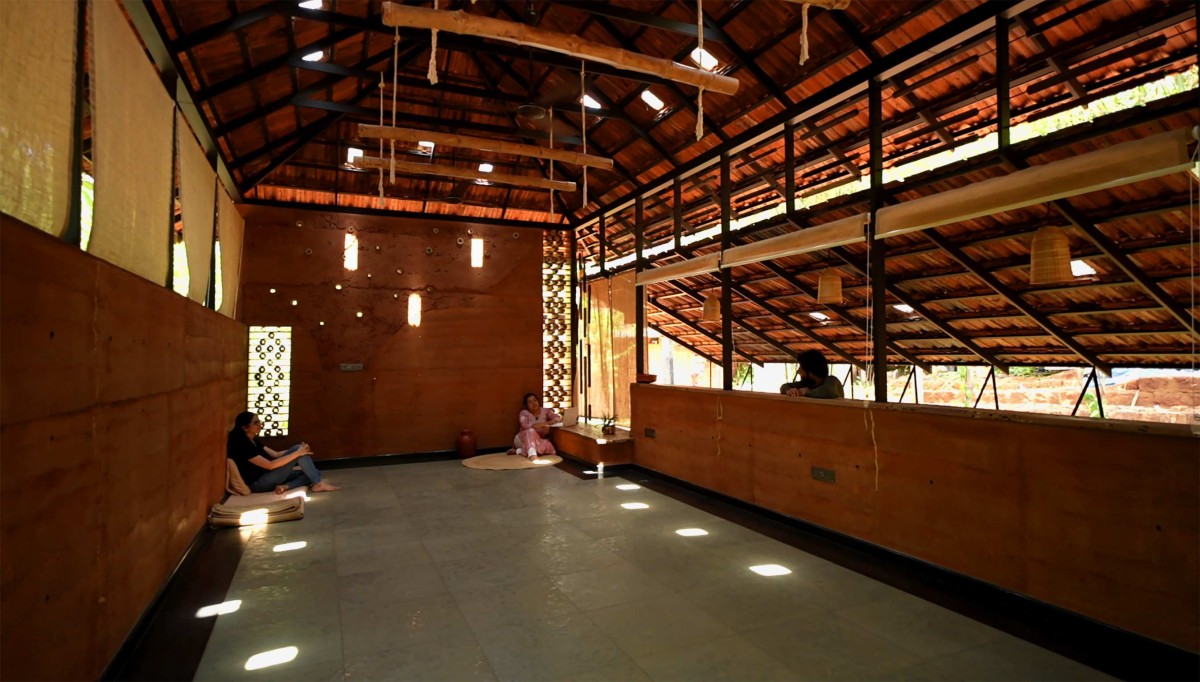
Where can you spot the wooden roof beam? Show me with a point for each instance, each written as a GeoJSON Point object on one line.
{"type": "Point", "coordinates": [443, 171]}
{"type": "Point", "coordinates": [368, 114]}
{"type": "Point", "coordinates": [462, 23]}
{"type": "Point", "coordinates": [483, 144]}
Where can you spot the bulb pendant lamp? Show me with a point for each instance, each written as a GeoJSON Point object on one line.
{"type": "Point", "coordinates": [712, 308]}
{"type": "Point", "coordinates": [829, 287]}
{"type": "Point", "coordinates": [1050, 257]}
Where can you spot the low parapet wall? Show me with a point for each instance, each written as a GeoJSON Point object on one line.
{"type": "Point", "coordinates": [1099, 518]}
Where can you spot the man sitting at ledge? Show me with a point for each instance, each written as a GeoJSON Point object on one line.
{"type": "Point", "coordinates": [815, 381]}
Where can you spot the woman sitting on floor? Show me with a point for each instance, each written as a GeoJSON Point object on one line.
{"type": "Point", "coordinates": [532, 439]}
{"type": "Point", "coordinates": [814, 369]}
{"type": "Point", "coordinates": [265, 469]}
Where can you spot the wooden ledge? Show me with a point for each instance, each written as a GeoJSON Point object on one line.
{"type": "Point", "coordinates": [582, 441]}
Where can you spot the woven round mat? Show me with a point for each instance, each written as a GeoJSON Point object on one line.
{"type": "Point", "coordinates": [502, 461]}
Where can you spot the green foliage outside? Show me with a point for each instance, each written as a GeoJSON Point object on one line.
{"type": "Point", "coordinates": [88, 192]}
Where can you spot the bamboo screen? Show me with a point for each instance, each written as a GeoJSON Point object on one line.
{"type": "Point", "coordinates": [197, 184]}
{"type": "Point", "coordinates": [556, 319]}
{"type": "Point", "coordinates": [37, 55]}
{"type": "Point", "coordinates": [608, 345]}
{"type": "Point", "coordinates": [133, 144]}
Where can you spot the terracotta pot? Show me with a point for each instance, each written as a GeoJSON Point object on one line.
{"type": "Point", "coordinates": [608, 430]}
{"type": "Point", "coordinates": [465, 444]}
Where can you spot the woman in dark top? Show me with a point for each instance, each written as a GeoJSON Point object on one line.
{"type": "Point", "coordinates": [264, 469]}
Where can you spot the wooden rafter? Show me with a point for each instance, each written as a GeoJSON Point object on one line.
{"type": "Point", "coordinates": [436, 170]}
{"type": "Point", "coordinates": [483, 144]}
{"type": "Point", "coordinates": [462, 23]}
{"type": "Point", "coordinates": [824, 4]}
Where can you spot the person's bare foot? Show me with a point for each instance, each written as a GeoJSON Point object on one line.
{"type": "Point", "coordinates": [281, 489]}
{"type": "Point", "coordinates": [323, 487]}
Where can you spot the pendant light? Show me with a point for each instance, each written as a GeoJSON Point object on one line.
{"type": "Point", "coordinates": [712, 307]}
{"type": "Point", "coordinates": [829, 287]}
{"type": "Point", "coordinates": [1050, 257]}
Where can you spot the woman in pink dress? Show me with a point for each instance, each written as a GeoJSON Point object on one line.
{"type": "Point", "coordinates": [532, 439]}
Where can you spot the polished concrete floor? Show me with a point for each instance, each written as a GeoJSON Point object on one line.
{"type": "Point", "coordinates": [437, 572]}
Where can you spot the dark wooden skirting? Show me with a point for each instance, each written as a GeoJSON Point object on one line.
{"type": "Point", "coordinates": [168, 640]}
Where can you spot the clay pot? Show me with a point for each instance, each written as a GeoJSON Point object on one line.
{"type": "Point", "coordinates": [610, 430]}
{"type": "Point", "coordinates": [465, 444]}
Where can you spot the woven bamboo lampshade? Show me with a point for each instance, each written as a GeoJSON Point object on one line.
{"type": "Point", "coordinates": [1050, 257]}
{"type": "Point", "coordinates": [712, 308]}
{"type": "Point", "coordinates": [829, 287]}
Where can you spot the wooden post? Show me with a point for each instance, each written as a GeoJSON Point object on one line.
{"type": "Point", "coordinates": [576, 299]}
{"type": "Point", "coordinates": [1003, 81]}
{"type": "Point", "coordinates": [639, 293]}
{"type": "Point", "coordinates": [726, 280]}
{"type": "Point", "coordinates": [876, 262]}
{"type": "Point", "coordinates": [789, 169]}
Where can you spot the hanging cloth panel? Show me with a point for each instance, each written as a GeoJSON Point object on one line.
{"type": "Point", "coordinates": [230, 228]}
{"type": "Point", "coordinates": [197, 182]}
{"type": "Point", "coordinates": [600, 341]}
{"type": "Point", "coordinates": [133, 141]}
{"type": "Point", "coordinates": [37, 95]}
{"type": "Point", "coordinates": [624, 342]}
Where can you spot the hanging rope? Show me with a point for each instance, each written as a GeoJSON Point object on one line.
{"type": "Point", "coordinates": [700, 51]}
{"type": "Point", "coordinates": [552, 163]}
{"type": "Point", "coordinates": [803, 33]}
{"type": "Point", "coordinates": [395, 77]}
{"type": "Point", "coordinates": [583, 129]}
{"type": "Point", "coordinates": [381, 86]}
{"type": "Point", "coordinates": [433, 51]}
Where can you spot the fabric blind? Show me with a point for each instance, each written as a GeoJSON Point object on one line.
{"type": "Point", "coordinates": [37, 97]}
{"type": "Point", "coordinates": [197, 181]}
{"type": "Point", "coordinates": [624, 342]}
{"type": "Point", "coordinates": [133, 144]}
{"type": "Point", "coordinates": [230, 227]}
{"type": "Point", "coordinates": [610, 335]}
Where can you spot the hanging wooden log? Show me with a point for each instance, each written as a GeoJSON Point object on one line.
{"type": "Point", "coordinates": [462, 23]}
{"type": "Point", "coordinates": [411, 168]}
{"type": "Point", "coordinates": [482, 144]}
{"type": "Point", "coordinates": [827, 4]}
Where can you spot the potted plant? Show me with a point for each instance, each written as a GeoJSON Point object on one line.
{"type": "Point", "coordinates": [608, 425]}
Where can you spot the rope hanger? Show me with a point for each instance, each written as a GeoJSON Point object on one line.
{"type": "Point", "coordinates": [700, 48]}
